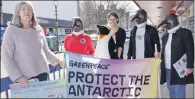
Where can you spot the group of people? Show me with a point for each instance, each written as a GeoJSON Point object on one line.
{"type": "Point", "coordinates": [81, 43]}
{"type": "Point", "coordinates": [25, 53]}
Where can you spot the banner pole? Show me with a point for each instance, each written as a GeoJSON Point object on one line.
{"type": "Point", "coordinates": [158, 82]}
{"type": "Point", "coordinates": [64, 73]}
{"type": "Point", "coordinates": [159, 89]}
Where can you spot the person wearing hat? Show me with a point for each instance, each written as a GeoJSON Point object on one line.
{"type": "Point", "coordinates": [175, 44]}
{"type": "Point", "coordinates": [143, 38]}
{"type": "Point", "coordinates": [78, 41]}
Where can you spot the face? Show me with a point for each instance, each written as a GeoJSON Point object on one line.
{"type": "Point", "coordinates": [26, 12]}
{"type": "Point", "coordinates": [112, 21]}
{"type": "Point", "coordinates": [141, 19]}
{"type": "Point", "coordinates": [103, 30]}
{"type": "Point", "coordinates": [170, 21]}
{"type": "Point", "coordinates": [77, 26]}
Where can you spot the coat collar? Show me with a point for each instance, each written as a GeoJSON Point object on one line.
{"type": "Point", "coordinates": [173, 30]}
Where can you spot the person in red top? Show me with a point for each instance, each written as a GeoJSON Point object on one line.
{"type": "Point", "coordinates": [78, 41]}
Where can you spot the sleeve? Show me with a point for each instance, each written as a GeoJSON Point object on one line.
{"type": "Point", "coordinates": [51, 57]}
{"type": "Point", "coordinates": [91, 48]}
{"type": "Point", "coordinates": [7, 55]}
{"type": "Point", "coordinates": [130, 50]}
{"type": "Point", "coordinates": [189, 48]}
{"type": "Point", "coordinates": [156, 39]}
{"type": "Point", "coordinates": [121, 40]}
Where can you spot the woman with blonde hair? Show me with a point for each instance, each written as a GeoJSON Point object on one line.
{"type": "Point", "coordinates": [24, 49]}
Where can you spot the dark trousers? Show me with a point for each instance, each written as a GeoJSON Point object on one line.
{"type": "Point", "coordinates": [41, 77]}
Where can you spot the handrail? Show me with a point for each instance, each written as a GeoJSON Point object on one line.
{"type": "Point", "coordinates": [6, 81]}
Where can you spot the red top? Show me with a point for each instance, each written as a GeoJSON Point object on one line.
{"type": "Point", "coordinates": [81, 44]}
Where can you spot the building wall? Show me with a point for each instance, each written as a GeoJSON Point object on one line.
{"type": "Point", "coordinates": [1, 18]}
{"type": "Point", "coordinates": [48, 25]}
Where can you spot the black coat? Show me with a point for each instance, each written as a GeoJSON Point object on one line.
{"type": "Point", "coordinates": [120, 41]}
{"type": "Point", "coordinates": [182, 42]}
{"type": "Point", "coordinates": [151, 38]}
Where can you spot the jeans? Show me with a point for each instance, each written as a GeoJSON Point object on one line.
{"type": "Point", "coordinates": [175, 91]}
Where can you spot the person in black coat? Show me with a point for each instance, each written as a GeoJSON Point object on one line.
{"type": "Point", "coordinates": [143, 38]}
{"type": "Point", "coordinates": [117, 41]}
{"type": "Point", "coordinates": [177, 42]}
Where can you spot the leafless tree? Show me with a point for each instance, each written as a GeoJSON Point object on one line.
{"type": "Point", "coordinates": [94, 12]}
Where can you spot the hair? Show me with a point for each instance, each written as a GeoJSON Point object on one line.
{"type": "Point", "coordinates": [16, 20]}
{"type": "Point", "coordinates": [113, 14]}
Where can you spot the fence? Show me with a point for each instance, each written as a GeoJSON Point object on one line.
{"type": "Point", "coordinates": [56, 72]}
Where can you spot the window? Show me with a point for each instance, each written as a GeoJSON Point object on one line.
{"type": "Point", "coordinates": [51, 30]}
{"type": "Point", "coordinates": [188, 24]}
{"type": "Point", "coordinates": [68, 31]}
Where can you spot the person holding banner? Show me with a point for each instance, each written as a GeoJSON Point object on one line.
{"type": "Point", "coordinates": [24, 49]}
{"type": "Point", "coordinates": [79, 42]}
{"type": "Point", "coordinates": [117, 41]}
{"type": "Point", "coordinates": [177, 45]}
{"type": "Point", "coordinates": [143, 38]}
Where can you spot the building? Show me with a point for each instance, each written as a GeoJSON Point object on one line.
{"type": "Point", "coordinates": [48, 24]}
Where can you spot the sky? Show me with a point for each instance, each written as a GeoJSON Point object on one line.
{"type": "Point", "coordinates": [66, 9]}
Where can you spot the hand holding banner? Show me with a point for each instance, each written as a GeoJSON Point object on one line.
{"type": "Point", "coordinates": [44, 89]}
{"type": "Point", "coordinates": [88, 77]}
{"type": "Point", "coordinates": [92, 78]}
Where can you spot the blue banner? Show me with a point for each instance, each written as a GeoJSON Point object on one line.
{"type": "Point", "coordinates": [45, 89]}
